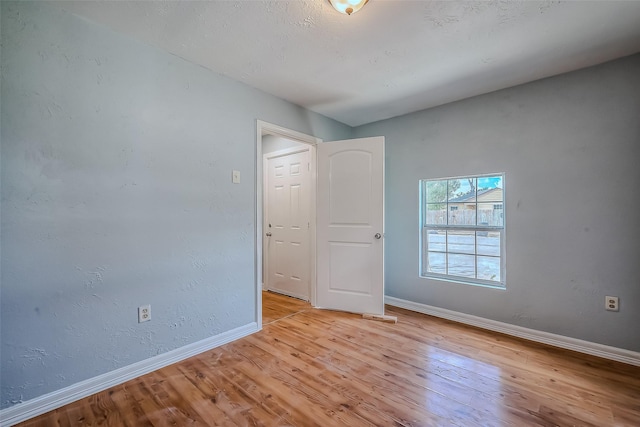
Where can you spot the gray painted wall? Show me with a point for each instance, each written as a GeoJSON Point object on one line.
{"type": "Point", "coordinates": [271, 143]}
{"type": "Point", "coordinates": [116, 191]}
{"type": "Point", "coordinates": [570, 147]}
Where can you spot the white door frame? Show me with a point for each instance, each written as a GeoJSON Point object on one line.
{"type": "Point", "coordinates": [262, 129]}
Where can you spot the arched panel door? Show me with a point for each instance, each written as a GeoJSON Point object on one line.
{"type": "Point", "coordinates": [350, 225]}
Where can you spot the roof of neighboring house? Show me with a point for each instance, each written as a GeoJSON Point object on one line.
{"type": "Point", "coordinates": [470, 196]}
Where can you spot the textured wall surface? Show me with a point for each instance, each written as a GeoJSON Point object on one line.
{"type": "Point", "coordinates": [569, 146]}
{"type": "Point", "coordinates": [116, 192]}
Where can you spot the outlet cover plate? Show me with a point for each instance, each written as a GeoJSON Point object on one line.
{"type": "Point", "coordinates": [144, 313]}
{"type": "Point", "coordinates": [612, 303]}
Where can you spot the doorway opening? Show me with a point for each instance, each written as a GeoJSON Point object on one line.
{"type": "Point", "coordinates": [285, 150]}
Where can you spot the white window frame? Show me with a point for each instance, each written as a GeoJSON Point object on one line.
{"type": "Point", "coordinates": [425, 228]}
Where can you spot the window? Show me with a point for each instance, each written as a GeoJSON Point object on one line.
{"type": "Point", "coordinates": [463, 229]}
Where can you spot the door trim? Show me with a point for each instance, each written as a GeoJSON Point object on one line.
{"type": "Point", "coordinates": [264, 128]}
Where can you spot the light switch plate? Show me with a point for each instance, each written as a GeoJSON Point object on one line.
{"type": "Point", "coordinates": [235, 177]}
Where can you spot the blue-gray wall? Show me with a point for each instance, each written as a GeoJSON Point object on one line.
{"type": "Point", "coordinates": [116, 192]}
{"type": "Point", "coordinates": [271, 143]}
{"type": "Point", "coordinates": [570, 149]}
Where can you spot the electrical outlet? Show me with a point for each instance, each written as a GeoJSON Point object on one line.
{"type": "Point", "coordinates": [144, 313]}
{"type": "Point", "coordinates": [612, 303]}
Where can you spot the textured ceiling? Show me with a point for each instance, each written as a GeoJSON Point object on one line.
{"type": "Point", "coordinates": [392, 58]}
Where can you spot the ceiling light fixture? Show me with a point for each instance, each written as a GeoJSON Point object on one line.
{"type": "Point", "coordinates": [348, 6]}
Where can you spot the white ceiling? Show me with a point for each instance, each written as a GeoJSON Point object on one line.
{"type": "Point", "coordinates": [391, 58]}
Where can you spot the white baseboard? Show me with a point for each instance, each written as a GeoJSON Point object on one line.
{"type": "Point", "coordinates": [587, 347]}
{"type": "Point", "coordinates": [50, 401]}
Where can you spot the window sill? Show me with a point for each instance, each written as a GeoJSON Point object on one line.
{"type": "Point", "coordinates": [500, 287]}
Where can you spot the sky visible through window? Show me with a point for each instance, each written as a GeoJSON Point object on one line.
{"type": "Point", "coordinates": [483, 183]}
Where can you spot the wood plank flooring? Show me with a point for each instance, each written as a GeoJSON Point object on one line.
{"type": "Point", "coordinates": [311, 367]}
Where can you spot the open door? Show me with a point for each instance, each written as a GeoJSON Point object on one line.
{"type": "Point", "coordinates": [350, 225]}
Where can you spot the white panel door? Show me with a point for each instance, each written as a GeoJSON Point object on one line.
{"type": "Point", "coordinates": [350, 225]}
{"type": "Point", "coordinates": [287, 224]}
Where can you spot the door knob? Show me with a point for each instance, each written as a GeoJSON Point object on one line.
{"type": "Point", "coordinates": [377, 235]}
{"type": "Point", "coordinates": [269, 234]}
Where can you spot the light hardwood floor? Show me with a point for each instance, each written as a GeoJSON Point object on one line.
{"type": "Point", "coordinates": [310, 367]}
